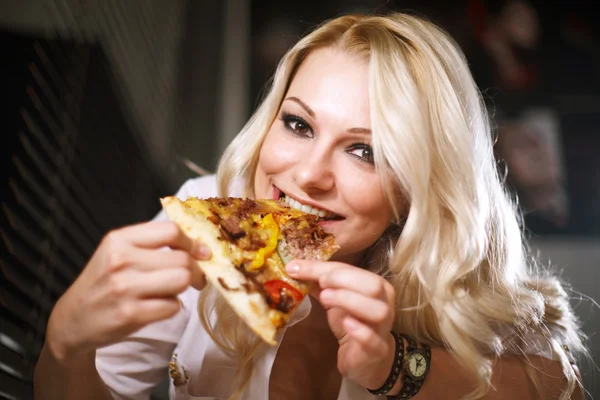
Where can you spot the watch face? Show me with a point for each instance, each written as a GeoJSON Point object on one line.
{"type": "Point", "coordinates": [416, 364]}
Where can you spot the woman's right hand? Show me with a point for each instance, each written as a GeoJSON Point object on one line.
{"type": "Point", "coordinates": [128, 283]}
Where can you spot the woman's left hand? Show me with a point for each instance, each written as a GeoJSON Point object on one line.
{"type": "Point", "coordinates": [360, 313]}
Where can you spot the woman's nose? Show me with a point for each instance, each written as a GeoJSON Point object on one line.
{"type": "Point", "coordinates": [315, 171]}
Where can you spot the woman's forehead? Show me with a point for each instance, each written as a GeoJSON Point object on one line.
{"type": "Point", "coordinates": [332, 64]}
{"type": "Point", "coordinates": [334, 84]}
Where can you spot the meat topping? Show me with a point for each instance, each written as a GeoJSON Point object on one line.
{"type": "Point", "coordinates": [305, 240]}
{"type": "Point", "coordinates": [286, 302]}
{"type": "Point", "coordinates": [231, 227]}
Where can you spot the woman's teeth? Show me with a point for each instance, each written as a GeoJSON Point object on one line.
{"type": "Point", "coordinates": [308, 209]}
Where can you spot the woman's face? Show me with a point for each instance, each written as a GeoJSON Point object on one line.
{"type": "Point", "coordinates": [318, 152]}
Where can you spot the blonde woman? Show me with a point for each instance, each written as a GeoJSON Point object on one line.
{"type": "Point", "coordinates": [377, 120]}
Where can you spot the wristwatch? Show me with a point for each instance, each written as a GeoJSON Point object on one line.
{"type": "Point", "coordinates": [416, 363]}
{"type": "Point", "coordinates": [416, 366]}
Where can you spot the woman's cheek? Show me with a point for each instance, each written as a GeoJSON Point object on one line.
{"type": "Point", "coordinates": [278, 152]}
{"type": "Point", "coordinates": [371, 204]}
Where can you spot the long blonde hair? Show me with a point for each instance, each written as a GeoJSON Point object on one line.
{"type": "Point", "coordinates": [462, 275]}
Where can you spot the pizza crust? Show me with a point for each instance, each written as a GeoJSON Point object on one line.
{"type": "Point", "coordinates": [251, 307]}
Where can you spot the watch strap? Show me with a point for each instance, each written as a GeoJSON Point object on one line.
{"type": "Point", "coordinates": [411, 386]}
{"type": "Point", "coordinates": [397, 366]}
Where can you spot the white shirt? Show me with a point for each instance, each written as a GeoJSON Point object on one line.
{"type": "Point", "coordinates": [133, 367]}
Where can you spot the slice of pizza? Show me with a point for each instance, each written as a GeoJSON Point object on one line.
{"type": "Point", "coordinates": [251, 241]}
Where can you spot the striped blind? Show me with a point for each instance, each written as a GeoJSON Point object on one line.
{"type": "Point", "coordinates": [73, 171]}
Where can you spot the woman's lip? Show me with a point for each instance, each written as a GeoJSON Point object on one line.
{"type": "Point", "coordinates": [327, 222]}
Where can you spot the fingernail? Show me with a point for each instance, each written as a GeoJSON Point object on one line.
{"type": "Point", "coordinates": [292, 269]}
{"type": "Point", "coordinates": [203, 252]}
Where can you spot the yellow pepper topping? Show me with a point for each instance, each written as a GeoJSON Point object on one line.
{"type": "Point", "coordinates": [269, 224]}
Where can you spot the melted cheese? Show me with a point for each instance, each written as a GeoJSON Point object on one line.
{"type": "Point", "coordinates": [269, 225]}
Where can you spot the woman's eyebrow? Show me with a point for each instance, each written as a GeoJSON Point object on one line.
{"type": "Point", "coordinates": [303, 105]}
{"type": "Point", "coordinates": [312, 114]}
{"type": "Point", "coordinates": [359, 130]}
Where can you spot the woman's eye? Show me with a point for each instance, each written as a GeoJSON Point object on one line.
{"type": "Point", "coordinates": [363, 152]}
{"type": "Point", "coordinates": [299, 126]}
{"type": "Point", "coordinates": [296, 125]}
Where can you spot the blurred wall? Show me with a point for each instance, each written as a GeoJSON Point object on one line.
{"type": "Point", "coordinates": [167, 56]}
{"type": "Point", "coordinates": [577, 260]}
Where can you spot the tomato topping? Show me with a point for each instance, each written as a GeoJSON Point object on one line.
{"type": "Point", "coordinates": [277, 288]}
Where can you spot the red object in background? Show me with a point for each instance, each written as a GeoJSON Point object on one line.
{"type": "Point", "coordinates": [478, 14]}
